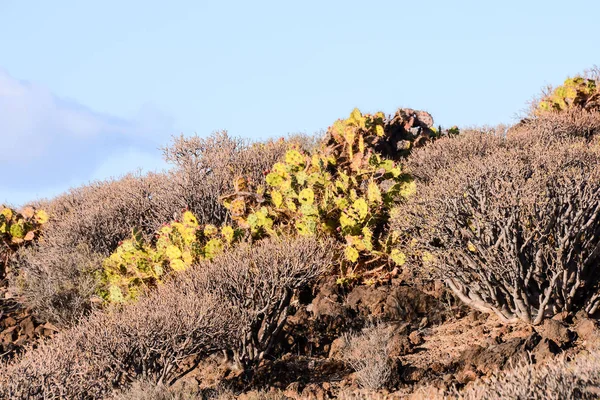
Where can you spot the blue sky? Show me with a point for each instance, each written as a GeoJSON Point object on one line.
{"type": "Point", "coordinates": [92, 89]}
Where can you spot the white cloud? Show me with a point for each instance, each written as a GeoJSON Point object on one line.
{"type": "Point", "coordinates": [47, 144]}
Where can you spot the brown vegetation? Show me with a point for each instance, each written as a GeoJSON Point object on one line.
{"type": "Point", "coordinates": [514, 232]}
{"type": "Point", "coordinates": [88, 223]}
{"type": "Point", "coordinates": [508, 219]}
{"type": "Point", "coordinates": [237, 303]}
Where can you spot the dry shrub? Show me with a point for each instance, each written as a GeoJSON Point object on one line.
{"type": "Point", "coordinates": [148, 391]}
{"type": "Point", "coordinates": [57, 276]}
{"type": "Point", "coordinates": [59, 283]}
{"type": "Point", "coordinates": [424, 162]}
{"type": "Point", "coordinates": [515, 232]}
{"type": "Point", "coordinates": [260, 281]}
{"type": "Point", "coordinates": [103, 213]}
{"type": "Point", "coordinates": [158, 340]}
{"type": "Point", "coordinates": [559, 380]}
{"type": "Point", "coordinates": [559, 125]}
{"type": "Point", "coordinates": [368, 354]}
{"type": "Point", "coordinates": [89, 222]}
{"type": "Point", "coordinates": [205, 168]}
{"type": "Point", "coordinates": [238, 303]}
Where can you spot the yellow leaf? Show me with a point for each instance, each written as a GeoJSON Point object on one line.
{"type": "Point", "coordinates": [178, 265]}
{"type": "Point", "coordinates": [306, 196]}
{"type": "Point", "coordinates": [373, 193]}
{"type": "Point", "coordinates": [173, 252]}
{"type": "Point", "coordinates": [351, 253]}
{"type": "Point", "coordinates": [210, 230]}
{"type": "Point", "coordinates": [471, 247]}
{"type": "Point", "coordinates": [427, 257]}
{"type": "Point", "coordinates": [398, 257]}
{"type": "Point", "coordinates": [189, 219]}
{"type": "Point", "coordinates": [228, 233]}
{"type": "Point", "coordinates": [277, 198]}
{"type": "Point", "coordinates": [187, 258]}
{"type": "Point", "coordinates": [408, 189]}
{"type": "Point", "coordinates": [7, 212]}
{"type": "Point", "coordinates": [290, 204]}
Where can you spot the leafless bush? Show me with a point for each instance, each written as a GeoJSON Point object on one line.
{"type": "Point", "coordinates": [559, 125]}
{"type": "Point", "coordinates": [515, 232]}
{"type": "Point", "coordinates": [239, 303]}
{"type": "Point", "coordinates": [159, 340]}
{"type": "Point", "coordinates": [103, 213]}
{"type": "Point", "coordinates": [367, 353]}
{"type": "Point", "coordinates": [424, 162]}
{"type": "Point", "coordinates": [206, 168]}
{"type": "Point", "coordinates": [148, 391]}
{"type": "Point", "coordinates": [60, 283]}
{"type": "Point", "coordinates": [559, 380]}
{"type": "Point", "coordinates": [260, 281]}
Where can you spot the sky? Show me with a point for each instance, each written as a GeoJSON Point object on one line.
{"type": "Point", "coordinates": [92, 89]}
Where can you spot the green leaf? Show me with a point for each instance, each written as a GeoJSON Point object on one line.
{"type": "Point", "coordinates": [115, 295]}
{"type": "Point", "coordinates": [212, 248]}
{"type": "Point", "coordinates": [17, 231]}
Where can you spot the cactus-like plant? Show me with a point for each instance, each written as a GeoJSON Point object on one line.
{"type": "Point", "coordinates": [578, 92]}
{"type": "Point", "coordinates": [18, 228]}
{"type": "Point", "coordinates": [137, 265]}
{"type": "Point", "coordinates": [345, 189]}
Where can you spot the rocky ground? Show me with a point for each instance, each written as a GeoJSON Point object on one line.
{"type": "Point", "coordinates": [436, 343]}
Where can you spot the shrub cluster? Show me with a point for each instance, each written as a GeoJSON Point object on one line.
{"type": "Point", "coordinates": [561, 379]}
{"type": "Point", "coordinates": [344, 189]}
{"type": "Point", "coordinates": [514, 231]}
{"type": "Point", "coordinates": [237, 303]}
{"type": "Point", "coordinates": [88, 223]}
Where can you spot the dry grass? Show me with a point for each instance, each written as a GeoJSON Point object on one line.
{"type": "Point", "coordinates": [368, 354]}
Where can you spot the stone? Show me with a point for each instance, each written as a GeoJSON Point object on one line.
{"type": "Point", "coordinates": [337, 348]}
{"type": "Point", "coordinates": [416, 338]}
{"type": "Point", "coordinates": [555, 331]}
